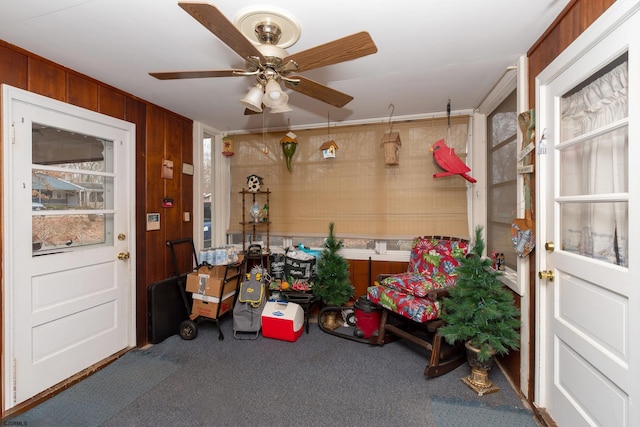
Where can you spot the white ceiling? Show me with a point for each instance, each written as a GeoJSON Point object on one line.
{"type": "Point", "coordinates": [428, 52]}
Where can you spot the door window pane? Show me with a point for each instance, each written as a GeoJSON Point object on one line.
{"type": "Point", "coordinates": [587, 230]}
{"type": "Point", "coordinates": [593, 163]}
{"type": "Point", "coordinates": [600, 158]}
{"type": "Point", "coordinates": [72, 185]}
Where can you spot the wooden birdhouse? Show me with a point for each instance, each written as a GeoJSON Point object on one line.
{"type": "Point", "coordinates": [329, 149]}
{"type": "Point", "coordinates": [391, 143]}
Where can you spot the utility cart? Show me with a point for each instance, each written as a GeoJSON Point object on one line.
{"type": "Point", "coordinates": [212, 289]}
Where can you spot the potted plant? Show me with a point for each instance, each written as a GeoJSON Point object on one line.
{"type": "Point", "coordinates": [480, 312]}
{"type": "Point", "coordinates": [332, 284]}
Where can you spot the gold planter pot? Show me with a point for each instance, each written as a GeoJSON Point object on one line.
{"type": "Point", "coordinates": [329, 321]}
{"type": "Point", "coordinates": [479, 380]}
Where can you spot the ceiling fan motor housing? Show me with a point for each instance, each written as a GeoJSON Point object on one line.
{"type": "Point", "coordinates": [268, 32]}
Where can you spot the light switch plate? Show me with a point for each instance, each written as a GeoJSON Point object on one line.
{"type": "Point", "coordinates": [187, 168]}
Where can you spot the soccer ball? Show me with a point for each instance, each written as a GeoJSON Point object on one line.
{"type": "Point", "coordinates": [253, 183]}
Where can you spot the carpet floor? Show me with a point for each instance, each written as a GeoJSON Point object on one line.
{"type": "Point", "coordinates": [320, 380]}
{"type": "Point", "coordinates": [102, 395]}
{"type": "Point", "coordinates": [459, 413]}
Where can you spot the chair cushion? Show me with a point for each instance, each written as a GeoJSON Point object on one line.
{"type": "Point", "coordinates": [431, 266]}
{"type": "Point", "coordinates": [429, 255]}
{"type": "Point", "coordinates": [409, 306]}
{"type": "Point", "coordinates": [415, 284]}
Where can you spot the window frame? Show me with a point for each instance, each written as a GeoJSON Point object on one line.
{"type": "Point", "coordinates": [514, 78]}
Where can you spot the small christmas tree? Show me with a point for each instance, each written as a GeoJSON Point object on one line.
{"type": "Point", "coordinates": [332, 284]}
{"type": "Point", "coordinates": [479, 309]}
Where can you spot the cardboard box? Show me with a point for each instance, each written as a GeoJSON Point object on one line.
{"type": "Point", "coordinates": [214, 271]}
{"type": "Point", "coordinates": [282, 320]}
{"type": "Point", "coordinates": [208, 280]}
{"type": "Point", "coordinates": [210, 309]}
{"type": "Point", "coordinates": [207, 306]}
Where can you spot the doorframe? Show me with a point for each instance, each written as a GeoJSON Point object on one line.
{"type": "Point", "coordinates": [611, 19]}
{"type": "Point", "coordinates": [10, 95]}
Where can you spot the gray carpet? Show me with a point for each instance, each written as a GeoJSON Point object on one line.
{"type": "Point", "coordinates": [459, 413]}
{"type": "Point", "coordinates": [320, 380]}
{"type": "Point", "coordinates": [105, 393]}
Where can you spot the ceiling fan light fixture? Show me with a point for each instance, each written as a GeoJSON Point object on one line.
{"type": "Point", "coordinates": [253, 99]}
{"type": "Point", "coordinates": [284, 108]}
{"type": "Point", "coordinates": [275, 103]}
{"type": "Point", "coordinates": [272, 93]}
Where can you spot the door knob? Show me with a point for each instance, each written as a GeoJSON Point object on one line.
{"type": "Point", "coordinates": [123, 255]}
{"type": "Point", "coordinates": [549, 246]}
{"type": "Point", "coordinates": [546, 275]}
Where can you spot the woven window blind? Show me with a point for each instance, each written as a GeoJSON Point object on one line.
{"type": "Point", "coordinates": [356, 190]}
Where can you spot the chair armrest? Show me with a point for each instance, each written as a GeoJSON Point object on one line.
{"type": "Point", "coordinates": [382, 276]}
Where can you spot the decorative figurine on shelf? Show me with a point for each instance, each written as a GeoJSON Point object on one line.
{"type": "Point", "coordinates": [253, 183]}
{"type": "Point", "coordinates": [289, 144]}
{"type": "Point", "coordinates": [265, 213]}
{"type": "Point", "coordinates": [255, 212]}
{"type": "Point", "coordinates": [446, 158]}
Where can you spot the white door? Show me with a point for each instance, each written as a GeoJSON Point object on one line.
{"type": "Point", "coordinates": [589, 303]}
{"type": "Point", "coordinates": [68, 190]}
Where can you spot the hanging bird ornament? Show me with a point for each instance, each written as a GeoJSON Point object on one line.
{"type": "Point", "coordinates": [447, 160]}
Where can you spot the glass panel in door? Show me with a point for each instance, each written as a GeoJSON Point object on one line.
{"type": "Point", "coordinates": [593, 166]}
{"type": "Point", "coordinates": [72, 190]}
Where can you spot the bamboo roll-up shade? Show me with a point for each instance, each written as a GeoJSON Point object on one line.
{"type": "Point", "coordinates": [355, 190]}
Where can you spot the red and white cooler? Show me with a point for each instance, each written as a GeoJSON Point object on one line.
{"type": "Point", "coordinates": [282, 320]}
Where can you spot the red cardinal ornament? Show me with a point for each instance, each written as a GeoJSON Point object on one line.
{"type": "Point", "coordinates": [447, 160]}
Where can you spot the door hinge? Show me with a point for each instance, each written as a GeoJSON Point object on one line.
{"type": "Point", "coordinates": [15, 381]}
{"type": "Point", "coordinates": [13, 132]}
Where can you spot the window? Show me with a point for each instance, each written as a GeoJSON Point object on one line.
{"type": "Point", "coordinates": [502, 125]}
{"type": "Point", "coordinates": [207, 189]}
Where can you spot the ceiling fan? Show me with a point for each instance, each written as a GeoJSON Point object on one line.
{"type": "Point", "coordinates": [268, 61]}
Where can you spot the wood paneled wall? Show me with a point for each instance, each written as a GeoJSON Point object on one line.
{"type": "Point", "coordinates": [574, 19]}
{"type": "Point", "coordinates": [160, 134]}
{"type": "Point", "coordinates": [364, 272]}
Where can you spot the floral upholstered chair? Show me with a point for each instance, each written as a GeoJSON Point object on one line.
{"type": "Point", "coordinates": [411, 300]}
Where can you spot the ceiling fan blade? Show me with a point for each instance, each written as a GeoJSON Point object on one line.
{"type": "Point", "coordinates": [344, 49]}
{"type": "Point", "coordinates": [319, 91]}
{"type": "Point", "coordinates": [213, 20]}
{"type": "Point", "coordinates": [171, 75]}
{"type": "Point", "coordinates": [248, 112]}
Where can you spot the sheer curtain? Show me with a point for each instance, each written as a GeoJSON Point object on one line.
{"type": "Point", "coordinates": [593, 168]}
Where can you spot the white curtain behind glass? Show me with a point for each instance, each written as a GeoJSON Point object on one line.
{"type": "Point", "coordinates": [598, 230]}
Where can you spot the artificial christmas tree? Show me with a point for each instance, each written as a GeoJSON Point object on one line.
{"type": "Point", "coordinates": [332, 284]}
{"type": "Point", "coordinates": [481, 312]}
